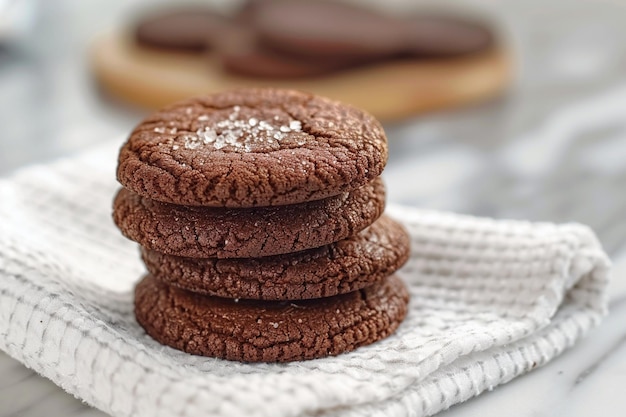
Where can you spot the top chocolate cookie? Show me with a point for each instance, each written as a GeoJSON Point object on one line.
{"type": "Point", "coordinates": [252, 148]}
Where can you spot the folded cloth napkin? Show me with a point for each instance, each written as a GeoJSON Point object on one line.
{"type": "Point", "coordinates": [491, 300]}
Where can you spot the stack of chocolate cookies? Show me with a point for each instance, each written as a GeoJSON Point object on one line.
{"type": "Point", "coordinates": [259, 215]}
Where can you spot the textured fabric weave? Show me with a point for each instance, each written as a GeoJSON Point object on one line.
{"type": "Point", "coordinates": [490, 300]}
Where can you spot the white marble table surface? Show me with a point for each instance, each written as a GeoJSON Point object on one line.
{"type": "Point", "coordinates": [553, 149]}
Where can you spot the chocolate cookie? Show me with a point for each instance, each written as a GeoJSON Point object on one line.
{"type": "Point", "coordinates": [252, 148]}
{"type": "Point", "coordinates": [187, 29]}
{"type": "Point", "coordinates": [269, 331]}
{"type": "Point", "coordinates": [206, 232]}
{"type": "Point", "coordinates": [338, 268]}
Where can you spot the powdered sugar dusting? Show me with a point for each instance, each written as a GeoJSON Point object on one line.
{"type": "Point", "coordinates": [240, 134]}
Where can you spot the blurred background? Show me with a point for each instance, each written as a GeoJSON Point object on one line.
{"type": "Point", "coordinates": [552, 147]}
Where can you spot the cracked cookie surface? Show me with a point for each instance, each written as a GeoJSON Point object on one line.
{"type": "Point", "coordinates": [208, 232]}
{"type": "Point", "coordinates": [338, 268]}
{"type": "Point", "coordinates": [252, 148]}
{"type": "Point", "coordinates": [269, 331]}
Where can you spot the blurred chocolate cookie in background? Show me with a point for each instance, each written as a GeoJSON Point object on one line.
{"type": "Point", "coordinates": [186, 29]}
{"type": "Point", "coordinates": [325, 29]}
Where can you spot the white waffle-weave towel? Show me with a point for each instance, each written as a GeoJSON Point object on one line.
{"type": "Point", "coordinates": [491, 300]}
